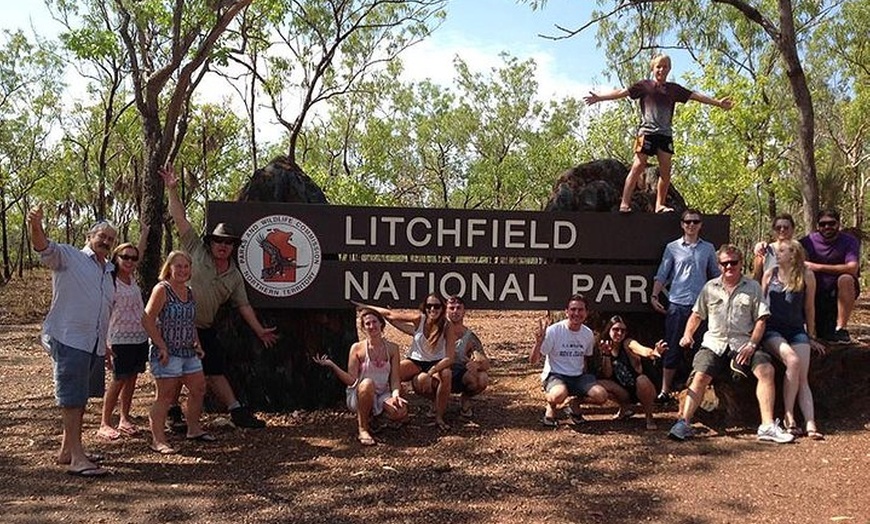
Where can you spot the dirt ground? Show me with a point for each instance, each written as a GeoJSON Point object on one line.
{"type": "Point", "coordinates": [306, 467]}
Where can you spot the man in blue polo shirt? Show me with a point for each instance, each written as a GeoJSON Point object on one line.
{"type": "Point", "coordinates": [75, 329]}
{"type": "Point", "coordinates": [687, 264]}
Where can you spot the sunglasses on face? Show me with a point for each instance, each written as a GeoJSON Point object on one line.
{"type": "Point", "coordinates": [692, 221]}
{"type": "Point", "coordinates": [617, 330]}
{"type": "Point", "coordinates": [729, 263]}
{"type": "Point", "coordinates": [433, 306]}
{"type": "Point", "coordinates": [784, 227]}
{"type": "Point", "coordinates": [828, 223]}
{"type": "Point", "coordinates": [224, 241]}
{"type": "Point", "coordinates": [129, 258]}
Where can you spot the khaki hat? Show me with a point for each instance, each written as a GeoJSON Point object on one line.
{"type": "Point", "coordinates": [222, 231]}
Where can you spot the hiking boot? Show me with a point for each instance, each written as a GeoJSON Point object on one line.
{"type": "Point", "coordinates": [681, 430]}
{"type": "Point", "coordinates": [774, 433]}
{"type": "Point", "coordinates": [175, 422]}
{"type": "Point", "coordinates": [243, 418]}
{"type": "Point", "coordinates": [841, 336]}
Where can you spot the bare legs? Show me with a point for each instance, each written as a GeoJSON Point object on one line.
{"type": "Point", "coordinates": [71, 450]}
{"type": "Point", "coordinates": [796, 385]}
{"type": "Point", "coordinates": [167, 390]}
{"type": "Point", "coordinates": [634, 174]}
{"type": "Point", "coordinates": [119, 389]}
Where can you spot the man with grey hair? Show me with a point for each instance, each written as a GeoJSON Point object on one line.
{"type": "Point", "coordinates": [75, 330]}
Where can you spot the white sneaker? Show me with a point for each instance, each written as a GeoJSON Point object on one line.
{"type": "Point", "coordinates": [774, 433]}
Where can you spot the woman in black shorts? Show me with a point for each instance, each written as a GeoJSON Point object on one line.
{"type": "Point", "coordinates": [621, 363]}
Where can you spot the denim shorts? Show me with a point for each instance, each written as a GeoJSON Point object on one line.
{"type": "Point", "coordinates": [799, 337]}
{"type": "Point", "coordinates": [77, 375]}
{"type": "Point", "coordinates": [177, 367]}
{"type": "Point", "coordinates": [578, 386]}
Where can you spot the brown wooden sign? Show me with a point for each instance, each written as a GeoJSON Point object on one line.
{"type": "Point", "coordinates": [320, 256]}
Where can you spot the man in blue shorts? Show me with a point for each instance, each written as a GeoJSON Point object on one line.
{"type": "Point", "coordinates": [75, 330]}
{"type": "Point", "coordinates": [567, 347]}
{"type": "Point", "coordinates": [734, 308]}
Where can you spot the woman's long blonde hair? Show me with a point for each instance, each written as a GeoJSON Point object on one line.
{"type": "Point", "coordinates": [793, 278]}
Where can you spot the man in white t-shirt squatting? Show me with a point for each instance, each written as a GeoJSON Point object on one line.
{"type": "Point", "coordinates": [567, 346]}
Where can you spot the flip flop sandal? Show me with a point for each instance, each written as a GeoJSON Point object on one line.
{"type": "Point", "coordinates": [665, 210]}
{"type": "Point", "coordinates": [163, 449]}
{"type": "Point", "coordinates": [366, 440]}
{"type": "Point", "coordinates": [203, 437]}
{"type": "Point", "coordinates": [815, 435]}
{"type": "Point", "coordinates": [625, 210]}
{"type": "Point", "coordinates": [108, 433]}
{"type": "Point", "coordinates": [131, 430]}
{"type": "Point", "coordinates": [549, 422]}
{"type": "Point", "coordinates": [92, 472]}
{"type": "Point", "coordinates": [93, 457]}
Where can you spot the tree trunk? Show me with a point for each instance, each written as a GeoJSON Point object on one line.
{"type": "Point", "coordinates": [806, 116]}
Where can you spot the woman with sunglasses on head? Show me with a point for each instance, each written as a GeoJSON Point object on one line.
{"type": "Point", "coordinates": [621, 362]}
{"type": "Point", "coordinates": [765, 253]}
{"type": "Point", "coordinates": [428, 362]}
{"type": "Point", "coordinates": [790, 289]}
{"type": "Point", "coordinates": [127, 347]}
{"type": "Point", "coordinates": [372, 376]}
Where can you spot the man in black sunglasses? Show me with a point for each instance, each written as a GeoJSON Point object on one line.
{"type": "Point", "coordinates": [834, 257]}
{"type": "Point", "coordinates": [734, 307]}
{"type": "Point", "coordinates": [687, 264]}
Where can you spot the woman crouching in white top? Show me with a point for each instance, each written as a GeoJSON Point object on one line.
{"type": "Point", "coordinates": [428, 363]}
{"type": "Point", "coordinates": [372, 376]}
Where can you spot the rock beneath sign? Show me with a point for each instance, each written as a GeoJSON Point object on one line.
{"type": "Point", "coordinates": [283, 378]}
{"type": "Point", "coordinates": [597, 186]}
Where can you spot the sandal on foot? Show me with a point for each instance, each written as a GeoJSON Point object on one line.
{"type": "Point", "coordinates": [163, 449]}
{"type": "Point", "coordinates": [365, 439]}
{"type": "Point", "coordinates": [549, 422]}
{"type": "Point", "coordinates": [202, 437]}
{"type": "Point", "coordinates": [795, 431]}
{"type": "Point", "coordinates": [625, 210]}
{"type": "Point", "coordinates": [108, 433]}
{"type": "Point", "coordinates": [815, 434]}
{"type": "Point", "coordinates": [93, 457]}
{"type": "Point", "coordinates": [131, 430]}
{"type": "Point", "coordinates": [90, 472]}
{"type": "Point", "coordinates": [665, 209]}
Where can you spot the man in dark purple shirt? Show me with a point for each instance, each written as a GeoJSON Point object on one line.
{"type": "Point", "coordinates": [834, 258]}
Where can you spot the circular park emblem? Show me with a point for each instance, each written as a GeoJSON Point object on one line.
{"type": "Point", "coordinates": [279, 256]}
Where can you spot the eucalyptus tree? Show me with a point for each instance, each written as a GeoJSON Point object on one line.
{"type": "Point", "coordinates": [841, 53]}
{"type": "Point", "coordinates": [632, 28]}
{"type": "Point", "coordinates": [485, 141]}
{"type": "Point", "coordinates": [302, 53]}
{"type": "Point", "coordinates": [29, 93]}
{"type": "Point", "coordinates": [168, 46]}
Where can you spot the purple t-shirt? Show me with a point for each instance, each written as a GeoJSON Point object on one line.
{"type": "Point", "coordinates": [657, 102]}
{"type": "Point", "coordinates": [844, 249]}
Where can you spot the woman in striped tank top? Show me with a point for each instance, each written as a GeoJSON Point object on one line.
{"type": "Point", "coordinates": [175, 350]}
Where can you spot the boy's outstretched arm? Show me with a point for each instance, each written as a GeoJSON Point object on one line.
{"type": "Point", "coordinates": [616, 94]}
{"type": "Point", "coordinates": [725, 103]}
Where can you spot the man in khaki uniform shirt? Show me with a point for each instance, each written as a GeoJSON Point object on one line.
{"type": "Point", "coordinates": [215, 280]}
